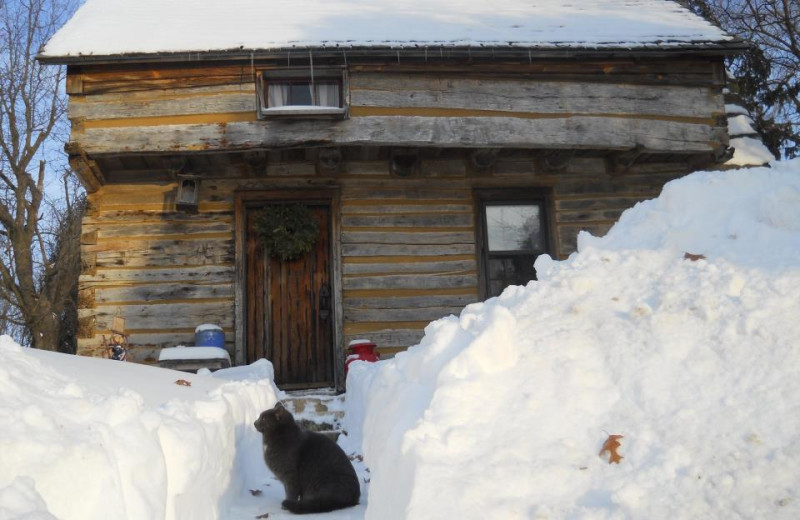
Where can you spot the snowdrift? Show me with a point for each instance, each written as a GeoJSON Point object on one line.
{"type": "Point", "coordinates": [85, 438]}
{"type": "Point", "coordinates": [695, 359]}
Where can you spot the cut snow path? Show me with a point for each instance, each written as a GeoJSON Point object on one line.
{"type": "Point", "coordinates": [87, 438]}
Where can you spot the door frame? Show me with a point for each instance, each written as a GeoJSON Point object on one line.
{"type": "Point", "coordinates": [247, 200]}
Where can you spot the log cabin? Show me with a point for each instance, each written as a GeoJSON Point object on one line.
{"type": "Point", "coordinates": [441, 146]}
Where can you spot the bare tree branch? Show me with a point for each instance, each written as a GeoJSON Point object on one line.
{"type": "Point", "coordinates": [38, 270]}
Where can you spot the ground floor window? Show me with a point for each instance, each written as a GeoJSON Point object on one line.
{"type": "Point", "coordinates": [512, 232]}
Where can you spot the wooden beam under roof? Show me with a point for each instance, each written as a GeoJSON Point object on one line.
{"type": "Point", "coordinates": [579, 132]}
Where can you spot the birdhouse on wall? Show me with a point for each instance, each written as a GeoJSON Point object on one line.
{"type": "Point", "coordinates": [188, 193]}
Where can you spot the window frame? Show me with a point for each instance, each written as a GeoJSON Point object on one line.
{"type": "Point", "coordinates": [301, 75]}
{"type": "Point", "coordinates": [485, 197]}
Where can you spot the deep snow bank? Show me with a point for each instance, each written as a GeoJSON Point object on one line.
{"type": "Point", "coordinates": [86, 438]}
{"type": "Point", "coordinates": [501, 412]}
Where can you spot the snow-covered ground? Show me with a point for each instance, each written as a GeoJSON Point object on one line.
{"type": "Point", "coordinates": [84, 438]}
{"type": "Point", "coordinates": [499, 413]}
{"type": "Point", "coordinates": [502, 411]}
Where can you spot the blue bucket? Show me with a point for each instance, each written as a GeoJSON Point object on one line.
{"type": "Point", "coordinates": [209, 338]}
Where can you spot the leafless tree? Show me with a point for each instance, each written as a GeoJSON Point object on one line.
{"type": "Point", "coordinates": [37, 271]}
{"type": "Point", "coordinates": [768, 76]}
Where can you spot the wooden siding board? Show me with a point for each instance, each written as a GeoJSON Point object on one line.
{"type": "Point", "coordinates": [411, 302]}
{"type": "Point", "coordinates": [404, 193]}
{"type": "Point", "coordinates": [388, 208]}
{"type": "Point", "coordinates": [580, 132]}
{"type": "Point", "coordinates": [166, 253]}
{"type": "Point", "coordinates": [162, 228]}
{"type": "Point", "coordinates": [152, 217]}
{"type": "Point", "coordinates": [406, 249]}
{"type": "Point", "coordinates": [411, 281]}
{"type": "Point", "coordinates": [394, 237]}
{"type": "Point", "coordinates": [164, 292]}
{"type": "Point", "coordinates": [206, 274]}
{"type": "Point", "coordinates": [382, 315]}
{"type": "Point", "coordinates": [388, 338]}
{"type": "Point", "coordinates": [168, 316]}
{"type": "Point", "coordinates": [406, 220]}
{"type": "Point", "coordinates": [217, 103]}
{"type": "Point", "coordinates": [409, 267]}
{"type": "Point", "coordinates": [522, 95]}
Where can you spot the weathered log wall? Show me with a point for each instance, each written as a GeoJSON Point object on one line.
{"type": "Point", "coordinates": [408, 245]}
{"type": "Point", "coordinates": [668, 106]}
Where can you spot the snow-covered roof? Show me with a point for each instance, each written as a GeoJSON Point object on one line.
{"type": "Point", "coordinates": [141, 27]}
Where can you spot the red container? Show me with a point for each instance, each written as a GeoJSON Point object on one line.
{"type": "Point", "coordinates": [361, 350]}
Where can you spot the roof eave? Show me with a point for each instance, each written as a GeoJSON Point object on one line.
{"type": "Point", "coordinates": [411, 51]}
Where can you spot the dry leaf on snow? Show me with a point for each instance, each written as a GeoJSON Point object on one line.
{"type": "Point", "coordinates": [610, 446]}
{"type": "Point", "coordinates": [693, 258]}
{"type": "Point", "coordinates": [183, 382]}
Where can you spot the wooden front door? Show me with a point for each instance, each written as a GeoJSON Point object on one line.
{"type": "Point", "coordinates": [289, 315]}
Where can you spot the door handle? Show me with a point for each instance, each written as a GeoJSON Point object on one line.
{"type": "Point", "coordinates": [324, 302]}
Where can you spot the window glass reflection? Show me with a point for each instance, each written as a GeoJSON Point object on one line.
{"type": "Point", "coordinates": [513, 228]}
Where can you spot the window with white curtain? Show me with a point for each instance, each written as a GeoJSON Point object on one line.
{"type": "Point", "coordinates": [299, 92]}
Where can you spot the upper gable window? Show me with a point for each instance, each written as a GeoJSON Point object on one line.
{"type": "Point", "coordinates": [302, 92]}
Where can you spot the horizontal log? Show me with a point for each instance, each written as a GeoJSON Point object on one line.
{"type": "Point", "coordinates": [595, 203]}
{"type": "Point", "coordinates": [406, 249]}
{"type": "Point", "coordinates": [163, 317]}
{"type": "Point", "coordinates": [580, 132]}
{"type": "Point", "coordinates": [403, 192]}
{"type": "Point", "coordinates": [155, 245]}
{"type": "Point", "coordinates": [154, 229]}
{"type": "Point", "coordinates": [160, 79]}
{"type": "Point", "coordinates": [205, 274]}
{"type": "Point", "coordinates": [217, 195]}
{"type": "Point", "coordinates": [139, 72]}
{"type": "Point", "coordinates": [421, 237]}
{"type": "Point", "coordinates": [658, 70]}
{"type": "Point", "coordinates": [645, 186]}
{"type": "Point", "coordinates": [166, 253]}
{"type": "Point", "coordinates": [443, 168]}
{"type": "Point", "coordinates": [162, 292]}
{"type": "Point", "coordinates": [147, 339]}
{"type": "Point", "coordinates": [422, 313]}
{"type": "Point", "coordinates": [409, 267]}
{"type": "Point", "coordinates": [93, 108]}
{"type": "Point", "coordinates": [411, 302]}
{"type": "Point", "coordinates": [388, 208]}
{"type": "Point", "coordinates": [423, 221]}
{"type": "Point", "coordinates": [171, 84]}
{"type": "Point", "coordinates": [140, 216]}
{"type": "Point", "coordinates": [524, 95]}
{"type": "Point", "coordinates": [116, 97]}
{"type": "Point", "coordinates": [389, 338]}
{"type": "Point", "coordinates": [588, 215]}
{"type": "Point", "coordinates": [411, 281]}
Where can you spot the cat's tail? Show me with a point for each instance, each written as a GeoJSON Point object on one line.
{"type": "Point", "coordinates": [316, 505]}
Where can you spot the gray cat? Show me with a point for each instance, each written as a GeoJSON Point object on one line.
{"type": "Point", "coordinates": [314, 470]}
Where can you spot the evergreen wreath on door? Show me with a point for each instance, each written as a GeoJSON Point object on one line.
{"type": "Point", "coordinates": [288, 231]}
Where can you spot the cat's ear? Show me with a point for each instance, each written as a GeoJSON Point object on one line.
{"type": "Point", "coordinates": [280, 411]}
